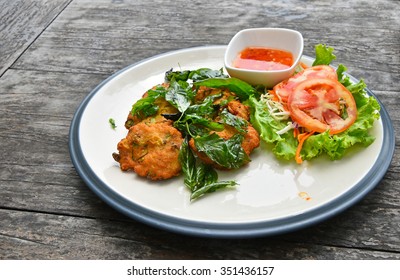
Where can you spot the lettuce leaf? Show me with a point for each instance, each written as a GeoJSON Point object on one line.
{"type": "Point", "coordinates": [284, 144]}
{"type": "Point", "coordinates": [323, 55]}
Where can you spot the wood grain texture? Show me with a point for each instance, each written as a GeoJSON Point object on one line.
{"type": "Point", "coordinates": [46, 210]}
{"type": "Point", "coordinates": [21, 22]}
{"type": "Point", "coordinates": [44, 236]}
{"type": "Point", "coordinates": [84, 39]}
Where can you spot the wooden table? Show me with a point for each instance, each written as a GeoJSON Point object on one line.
{"type": "Point", "coordinates": [53, 53]}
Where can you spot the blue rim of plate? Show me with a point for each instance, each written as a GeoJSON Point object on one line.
{"type": "Point", "coordinates": [226, 230]}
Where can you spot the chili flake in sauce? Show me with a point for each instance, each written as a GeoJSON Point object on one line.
{"type": "Point", "coordinates": [256, 58]}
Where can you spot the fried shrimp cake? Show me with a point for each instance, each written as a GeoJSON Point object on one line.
{"type": "Point", "coordinates": [151, 150]}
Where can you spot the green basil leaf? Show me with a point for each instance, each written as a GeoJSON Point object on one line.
{"type": "Point", "coordinates": [208, 188]}
{"type": "Point", "coordinates": [210, 176]}
{"type": "Point", "coordinates": [195, 125]}
{"type": "Point", "coordinates": [242, 89]}
{"type": "Point", "coordinates": [176, 75]}
{"type": "Point", "coordinates": [179, 95]}
{"type": "Point", "coordinates": [189, 129]}
{"type": "Point", "coordinates": [205, 108]}
{"type": "Point", "coordinates": [199, 177]}
{"type": "Point", "coordinates": [195, 75]}
{"type": "Point", "coordinates": [206, 73]}
{"type": "Point", "coordinates": [188, 163]}
{"type": "Point", "coordinates": [226, 153]}
{"type": "Point", "coordinates": [235, 121]}
{"type": "Point", "coordinates": [145, 106]}
{"type": "Point", "coordinates": [112, 123]}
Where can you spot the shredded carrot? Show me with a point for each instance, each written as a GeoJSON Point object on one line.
{"type": "Point", "coordinates": [303, 65]}
{"type": "Point", "coordinates": [296, 132]}
{"type": "Point", "coordinates": [301, 138]}
{"type": "Point", "coordinates": [275, 96]}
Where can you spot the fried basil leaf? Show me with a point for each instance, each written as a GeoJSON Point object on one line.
{"type": "Point", "coordinates": [146, 106]}
{"type": "Point", "coordinates": [195, 75]}
{"type": "Point", "coordinates": [195, 125]}
{"type": "Point", "coordinates": [188, 163]}
{"type": "Point", "coordinates": [235, 121]}
{"type": "Point", "coordinates": [179, 95]}
{"type": "Point", "coordinates": [205, 108]}
{"type": "Point", "coordinates": [199, 177]}
{"type": "Point", "coordinates": [208, 188]}
{"type": "Point", "coordinates": [206, 73]}
{"type": "Point", "coordinates": [242, 89]}
{"type": "Point", "coordinates": [176, 75]}
{"type": "Point", "coordinates": [226, 153]}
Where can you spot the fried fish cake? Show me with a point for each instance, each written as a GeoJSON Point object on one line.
{"type": "Point", "coordinates": [151, 150]}
{"type": "Point", "coordinates": [237, 108]}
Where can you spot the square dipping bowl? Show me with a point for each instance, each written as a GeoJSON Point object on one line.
{"type": "Point", "coordinates": [273, 38]}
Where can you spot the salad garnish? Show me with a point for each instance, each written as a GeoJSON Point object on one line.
{"type": "Point", "coordinates": [300, 140]}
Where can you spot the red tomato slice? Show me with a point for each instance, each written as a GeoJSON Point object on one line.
{"type": "Point", "coordinates": [283, 89]}
{"type": "Point", "coordinates": [318, 104]}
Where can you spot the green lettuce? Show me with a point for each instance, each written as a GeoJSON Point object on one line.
{"type": "Point", "coordinates": [284, 144]}
{"type": "Point", "coordinates": [323, 55]}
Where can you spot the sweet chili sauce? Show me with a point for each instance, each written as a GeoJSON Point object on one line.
{"type": "Point", "coordinates": [256, 58]}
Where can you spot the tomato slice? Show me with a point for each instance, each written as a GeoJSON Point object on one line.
{"type": "Point", "coordinates": [321, 104]}
{"type": "Point", "coordinates": [283, 89]}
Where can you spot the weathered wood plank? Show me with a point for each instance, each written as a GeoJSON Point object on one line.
{"type": "Point", "coordinates": [102, 37]}
{"type": "Point", "coordinates": [35, 169]}
{"type": "Point", "coordinates": [21, 23]}
{"type": "Point", "coordinates": [25, 235]}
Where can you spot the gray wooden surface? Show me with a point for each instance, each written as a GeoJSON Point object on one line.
{"type": "Point", "coordinates": [53, 53]}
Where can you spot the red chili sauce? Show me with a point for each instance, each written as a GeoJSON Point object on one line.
{"type": "Point", "coordinates": [255, 58]}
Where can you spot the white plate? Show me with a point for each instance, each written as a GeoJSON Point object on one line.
{"type": "Point", "coordinates": [270, 196]}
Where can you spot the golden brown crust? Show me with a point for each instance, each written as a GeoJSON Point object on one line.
{"type": "Point", "coordinates": [151, 150]}
{"type": "Point", "coordinates": [203, 92]}
{"type": "Point", "coordinates": [236, 108]}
